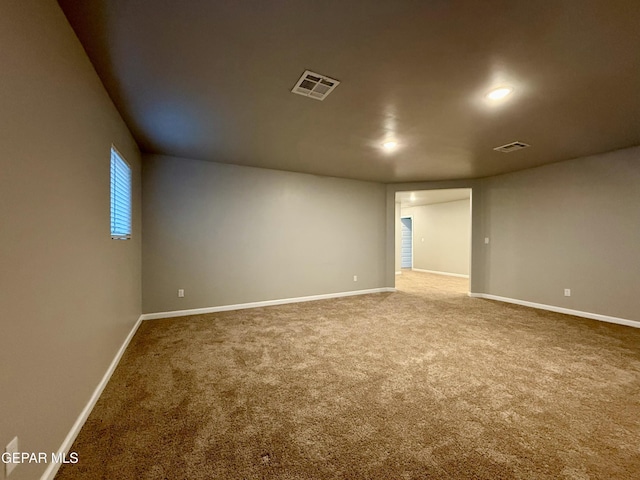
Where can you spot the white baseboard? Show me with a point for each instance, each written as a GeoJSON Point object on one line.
{"type": "Point", "coordinates": [52, 468]}
{"type": "Point", "coordinates": [266, 303]}
{"type": "Point", "coordinates": [567, 311]}
{"type": "Point", "coordinates": [448, 274]}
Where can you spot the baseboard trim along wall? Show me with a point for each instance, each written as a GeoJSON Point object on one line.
{"type": "Point", "coordinates": [552, 308]}
{"type": "Point", "coordinates": [266, 303]}
{"type": "Point", "coordinates": [53, 468]}
{"type": "Point", "coordinates": [448, 274]}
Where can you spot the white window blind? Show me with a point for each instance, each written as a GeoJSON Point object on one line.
{"type": "Point", "coordinates": [120, 197]}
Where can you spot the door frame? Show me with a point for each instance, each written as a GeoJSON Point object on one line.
{"type": "Point", "coordinates": [478, 229]}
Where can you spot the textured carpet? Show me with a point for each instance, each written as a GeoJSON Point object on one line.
{"type": "Point", "coordinates": [423, 383]}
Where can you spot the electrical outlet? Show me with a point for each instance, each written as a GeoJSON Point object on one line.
{"type": "Point", "coordinates": [567, 292]}
{"type": "Point", "coordinates": [180, 292]}
{"type": "Point", "coordinates": [355, 278]}
{"type": "Point", "coordinates": [11, 448]}
{"type": "Point", "coordinates": [486, 240]}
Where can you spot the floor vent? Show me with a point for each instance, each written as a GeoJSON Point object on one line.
{"type": "Point", "coordinates": [314, 85]}
{"type": "Point", "coordinates": [511, 147]}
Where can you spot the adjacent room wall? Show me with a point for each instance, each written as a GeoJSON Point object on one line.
{"type": "Point", "coordinates": [574, 224]}
{"type": "Point", "coordinates": [230, 234]}
{"type": "Point", "coordinates": [441, 236]}
{"type": "Point", "coordinates": [69, 295]}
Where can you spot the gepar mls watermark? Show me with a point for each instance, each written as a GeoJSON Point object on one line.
{"type": "Point", "coordinates": [39, 457]}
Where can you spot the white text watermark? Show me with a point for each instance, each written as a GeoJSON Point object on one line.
{"type": "Point", "coordinates": [39, 457]}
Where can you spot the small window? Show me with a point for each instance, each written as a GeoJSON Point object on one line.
{"type": "Point", "coordinates": [120, 197]}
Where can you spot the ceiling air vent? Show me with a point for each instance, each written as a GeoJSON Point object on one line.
{"type": "Point", "coordinates": [314, 85]}
{"type": "Point", "coordinates": [511, 147]}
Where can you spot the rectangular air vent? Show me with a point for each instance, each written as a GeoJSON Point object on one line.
{"type": "Point", "coordinates": [314, 85]}
{"type": "Point", "coordinates": [511, 147]}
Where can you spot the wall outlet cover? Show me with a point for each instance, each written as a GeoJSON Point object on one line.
{"type": "Point", "coordinates": [12, 447]}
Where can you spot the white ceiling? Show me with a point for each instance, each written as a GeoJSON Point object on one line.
{"type": "Point", "coordinates": [429, 197]}
{"type": "Point", "coordinates": [212, 80]}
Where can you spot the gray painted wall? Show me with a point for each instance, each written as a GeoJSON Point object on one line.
{"type": "Point", "coordinates": [441, 236]}
{"type": "Point", "coordinates": [231, 234]}
{"type": "Point", "coordinates": [69, 294]}
{"type": "Point", "coordinates": [574, 224]}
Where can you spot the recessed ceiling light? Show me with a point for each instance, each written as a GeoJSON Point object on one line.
{"type": "Point", "coordinates": [390, 145]}
{"type": "Point", "coordinates": [499, 93]}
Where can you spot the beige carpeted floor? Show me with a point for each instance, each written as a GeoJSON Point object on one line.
{"type": "Point", "coordinates": [423, 383]}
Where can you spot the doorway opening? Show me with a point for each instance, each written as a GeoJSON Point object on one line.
{"type": "Point", "coordinates": [433, 240]}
